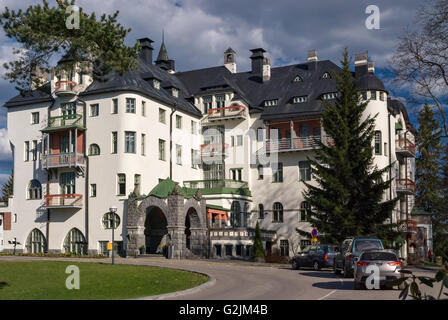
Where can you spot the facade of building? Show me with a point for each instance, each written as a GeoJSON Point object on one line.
{"type": "Point", "coordinates": [191, 159]}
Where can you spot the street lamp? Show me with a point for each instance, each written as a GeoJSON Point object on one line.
{"type": "Point", "coordinates": [111, 220]}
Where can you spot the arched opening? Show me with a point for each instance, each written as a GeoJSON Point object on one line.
{"type": "Point", "coordinates": [187, 230]}
{"type": "Point", "coordinates": [193, 240]}
{"type": "Point", "coordinates": [75, 242]}
{"type": "Point", "coordinates": [34, 190]}
{"type": "Point", "coordinates": [156, 231]}
{"type": "Point", "coordinates": [35, 243]}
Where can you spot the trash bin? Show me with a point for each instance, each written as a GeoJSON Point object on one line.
{"type": "Point", "coordinates": [439, 260]}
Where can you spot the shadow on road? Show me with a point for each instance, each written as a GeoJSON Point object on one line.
{"type": "Point", "coordinates": [334, 285]}
{"type": "Point", "coordinates": [319, 274]}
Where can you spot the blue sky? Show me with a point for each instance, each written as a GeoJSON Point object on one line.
{"type": "Point", "coordinates": [197, 32]}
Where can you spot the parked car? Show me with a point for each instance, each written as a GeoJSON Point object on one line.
{"type": "Point", "coordinates": [345, 260]}
{"type": "Point", "coordinates": [315, 257]}
{"type": "Point", "coordinates": [388, 263]}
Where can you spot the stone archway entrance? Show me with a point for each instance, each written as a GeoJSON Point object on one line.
{"type": "Point", "coordinates": [156, 230]}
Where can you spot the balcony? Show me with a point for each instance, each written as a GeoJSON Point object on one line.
{"type": "Point", "coordinates": [64, 122]}
{"type": "Point", "coordinates": [296, 144]}
{"type": "Point", "coordinates": [62, 160]}
{"type": "Point", "coordinates": [232, 112]}
{"type": "Point", "coordinates": [56, 201]}
{"type": "Point", "coordinates": [405, 186]}
{"type": "Point", "coordinates": [66, 88]}
{"type": "Point", "coordinates": [214, 149]}
{"type": "Point", "coordinates": [231, 233]}
{"type": "Point", "coordinates": [219, 186]}
{"type": "Point", "coordinates": [407, 226]}
{"type": "Point", "coordinates": [405, 147]}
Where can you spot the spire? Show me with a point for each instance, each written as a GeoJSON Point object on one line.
{"type": "Point", "coordinates": [163, 54]}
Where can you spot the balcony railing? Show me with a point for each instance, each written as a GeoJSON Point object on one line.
{"type": "Point", "coordinates": [72, 200]}
{"type": "Point", "coordinates": [218, 183]}
{"type": "Point", "coordinates": [214, 149]}
{"type": "Point", "coordinates": [240, 233]}
{"type": "Point", "coordinates": [405, 186]}
{"type": "Point", "coordinates": [405, 147]}
{"type": "Point", "coordinates": [63, 160]}
{"type": "Point", "coordinates": [64, 88]}
{"type": "Point", "coordinates": [232, 112]}
{"type": "Point", "coordinates": [65, 121]}
{"type": "Point", "coordinates": [293, 144]}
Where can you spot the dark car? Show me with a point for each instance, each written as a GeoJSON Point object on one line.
{"type": "Point", "coordinates": [345, 260]}
{"type": "Point", "coordinates": [315, 257]}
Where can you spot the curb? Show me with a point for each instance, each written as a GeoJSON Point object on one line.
{"type": "Point", "coordinates": [208, 284]}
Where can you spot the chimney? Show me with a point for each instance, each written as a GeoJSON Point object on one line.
{"type": "Point", "coordinates": [230, 60]}
{"type": "Point", "coordinates": [361, 67]}
{"type": "Point", "coordinates": [266, 69]}
{"type": "Point", "coordinates": [371, 67]}
{"type": "Point", "coordinates": [312, 60]}
{"type": "Point", "coordinates": [146, 51]}
{"type": "Point", "coordinates": [257, 61]}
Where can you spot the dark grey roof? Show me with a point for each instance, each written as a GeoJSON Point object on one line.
{"type": "Point", "coordinates": [36, 96]}
{"type": "Point", "coordinates": [397, 105]}
{"type": "Point", "coordinates": [163, 54]}
{"type": "Point", "coordinates": [370, 82]}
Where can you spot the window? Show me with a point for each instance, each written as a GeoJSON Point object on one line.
{"type": "Point", "coordinates": [304, 171]}
{"type": "Point", "coordinates": [143, 144]}
{"type": "Point", "coordinates": [27, 151]}
{"type": "Point", "coordinates": [161, 149]}
{"type": "Point", "coordinates": [114, 142]}
{"type": "Point", "coordinates": [114, 106]}
{"type": "Point", "coordinates": [277, 212]}
{"type": "Point", "coordinates": [178, 122]}
{"type": "Point", "coordinates": [93, 190]}
{"type": "Point", "coordinates": [330, 95]}
{"type": "Point", "coordinates": [35, 243]}
{"type": "Point", "coordinates": [232, 142]}
{"type": "Point", "coordinates": [378, 142]}
{"type": "Point", "coordinates": [284, 248]}
{"type": "Point", "coordinates": [94, 150]}
{"type": "Point", "coordinates": [129, 142]}
{"type": "Point", "coordinates": [236, 174]}
{"type": "Point", "coordinates": [34, 150]}
{"type": "Point", "coordinates": [130, 105]}
{"type": "Point", "coordinates": [34, 190]}
{"type": "Point", "coordinates": [143, 108]}
{"type": "Point", "coordinates": [175, 92]}
{"type": "Point", "coordinates": [162, 115]}
{"type": "Point", "coordinates": [277, 175]}
{"type": "Point", "coordinates": [260, 172]}
{"type": "Point", "coordinates": [364, 95]}
{"type": "Point", "coordinates": [194, 158]}
{"type": "Point", "coordinates": [94, 110]}
{"type": "Point", "coordinates": [260, 134]}
{"type": "Point", "coordinates": [75, 242]}
{"type": "Point", "coordinates": [385, 148]}
{"type": "Point", "coordinates": [207, 101]}
{"type": "Point", "coordinates": [372, 95]}
{"type": "Point", "coordinates": [382, 96]}
{"type": "Point", "coordinates": [67, 182]}
{"type": "Point", "coordinates": [300, 99]}
{"type": "Point", "coordinates": [271, 103]}
{"type": "Point", "coordinates": [80, 80]}
{"type": "Point", "coordinates": [304, 211]}
{"type": "Point", "coordinates": [156, 84]}
{"type": "Point", "coordinates": [298, 79]}
{"type": "Point", "coordinates": [34, 117]}
{"type": "Point", "coordinates": [260, 211]}
{"type": "Point", "coordinates": [326, 75]}
{"type": "Point", "coordinates": [220, 100]}
{"type": "Point", "coordinates": [235, 211]}
{"type": "Point", "coordinates": [68, 109]}
{"type": "Point", "coordinates": [239, 140]}
{"type": "Point", "coordinates": [121, 187]}
{"type": "Point", "coordinates": [137, 181]}
{"type": "Point", "coordinates": [178, 154]}
{"type": "Point", "coordinates": [194, 127]}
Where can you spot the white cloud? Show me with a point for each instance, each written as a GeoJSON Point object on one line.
{"type": "Point", "coordinates": [3, 178]}
{"type": "Point", "coordinates": [5, 147]}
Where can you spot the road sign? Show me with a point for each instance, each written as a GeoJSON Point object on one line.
{"type": "Point", "coordinates": [314, 233]}
{"type": "Point", "coordinates": [109, 246]}
{"type": "Point", "coordinates": [314, 240]}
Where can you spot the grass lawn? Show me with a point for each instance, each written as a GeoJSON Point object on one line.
{"type": "Point", "coordinates": [45, 280]}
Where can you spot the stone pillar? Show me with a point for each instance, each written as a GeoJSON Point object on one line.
{"type": "Point", "coordinates": [135, 228]}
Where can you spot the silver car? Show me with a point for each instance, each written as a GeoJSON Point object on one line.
{"type": "Point", "coordinates": [388, 263]}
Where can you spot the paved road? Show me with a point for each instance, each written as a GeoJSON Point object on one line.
{"type": "Point", "coordinates": [247, 281]}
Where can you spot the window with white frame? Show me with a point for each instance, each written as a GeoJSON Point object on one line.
{"type": "Point", "coordinates": [143, 108]}
{"type": "Point", "coordinates": [330, 95]}
{"type": "Point", "coordinates": [300, 99]}
{"type": "Point", "coordinates": [382, 96]}
{"type": "Point", "coordinates": [298, 79]}
{"type": "Point", "coordinates": [178, 154]}
{"type": "Point", "coordinates": [277, 215]}
{"type": "Point", "coordinates": [130, 105]}
{"type": "Point", "coordinates": [26, 151]}
{"type": "Point", "coordinates": [162, 117]}
{"type": "Point", "coordinates": [156, 84]}
{"type": "Point", "coordinates": [271, 103]}
{"type": "Point", "coordinates": [34, 190]}
{"type": "Point", "coordinates": [377, 142]}
{"type": "Point", "coordinates": [207, 102]}
{"type": "Point", "coordinates": [260, 172]}
{"type": "Point", "coordinates": [220, 100]}
{"type": "Point", "coordinates": [326, 75]}
{"type": "Point", "coordinates": [121, 184]}
{"type": "Point", "coordinates": [304, 171]}
{"type": "Point", "coordinates": [34, 150]}
{"type": "Point", "coordinates": [239, 140]}
{"type": "Point", "coordinates": [178, 122]}
{"type": "Point", "coordinates": [94, 150]}
{"type": "Point", "coordinates": [137, 181]}
{"type": "Point", "coordinates": [93, 190]}
{"type": "Point", "coordinates": [94, 110]}
{"type": "Point", "coordinates": [194, 127]}
{"type": "Point", "coordinates": [143, 144]}
{"type": "Point", "coordinates": [175, 92]}
{"type": "Point", "coordinates": [161, 149]}
{"type": "Point", "coordinates": [114, 141]}
{"type": "Point", "coordinates": [372, 95]}
{"type": "Point", "coordinates": [114, 106]}
{"type": "Point", "coordinates": [277, 175]}
{"type": "Point", "coordinates": [129, 142]}
{"type": "Point", "coordinates": [34, 117]}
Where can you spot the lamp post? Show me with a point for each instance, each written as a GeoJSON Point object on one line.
{"type": "Point", "coordinates": [112, 221]}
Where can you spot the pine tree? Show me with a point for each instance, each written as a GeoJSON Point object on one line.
{"type": "Point", "coordinates": [348, 198]}
{"type": "Point", "coordinates": [42, 32]}
{"type": "Point", "coordinates": [440, 220]}
{"type": "Point", "coordinates": [258, 251]}
{"type": "Point", "coordinates": [7, 189]}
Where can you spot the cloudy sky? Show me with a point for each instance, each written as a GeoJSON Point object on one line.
{"type": "Point", "coordinates": [197, 32]}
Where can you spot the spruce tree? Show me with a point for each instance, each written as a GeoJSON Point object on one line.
{"type": "Point", "coordinates": [258, 251]}
{"type": "Point", "coordinates": [440, 219]}
{"type": "Point", "coordinates": [348, 197]}
{"type": "Point", "coordinates": [7, 189]}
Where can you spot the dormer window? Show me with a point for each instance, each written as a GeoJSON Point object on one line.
{"type": "Point", "coordinates": [326, 75]}
{"type": "Point", "coordinates": [175, 92]}
{"type": "Point", "coordinates": [156, 84]}
{"type": "Point", "coordinates": [298, 79]}
{"type": "Point", "coordinates": [364, 95]}
{"type": "Point", "coordinates": [271, 103]}
{"type": "Point", "coordinates": [330, 95]}
{"type": "Point", "coordinates": [300, 99]}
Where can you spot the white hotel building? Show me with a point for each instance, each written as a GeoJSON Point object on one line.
{"type": "Point", "coordinates": [81, 146]}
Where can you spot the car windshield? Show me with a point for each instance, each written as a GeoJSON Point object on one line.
{"type": "Point", "coordinates": [361, 245]}
{"type": "Point", "coordinates": [382, 256]}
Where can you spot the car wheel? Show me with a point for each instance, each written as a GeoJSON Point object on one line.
{"type": "Point", "coordinates": [316, 266]}
{"type": "Point", "coordinates": [336, 270]}
{"type": "Point", "coordinates": [347, 273]}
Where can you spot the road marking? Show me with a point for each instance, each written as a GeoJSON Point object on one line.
{"type": "Point", "coordinates": [322, 298]}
